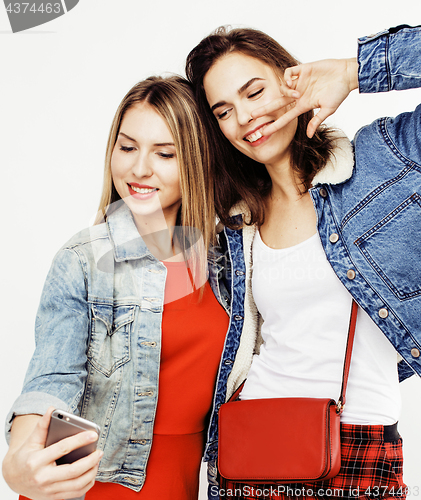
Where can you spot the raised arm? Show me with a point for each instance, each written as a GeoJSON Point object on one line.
{"type": "Point", "coordinates": [389, 60]}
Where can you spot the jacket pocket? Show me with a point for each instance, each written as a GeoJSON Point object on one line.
{"type": "Point", "coordinates": [392, 248]}
{"type": "Point", "coordinates": [111, 328]}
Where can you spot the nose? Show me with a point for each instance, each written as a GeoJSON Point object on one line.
{"type": "Point", "coordinates": [244, 115]}
{"type": "Point", "coordinates": [142, 167]}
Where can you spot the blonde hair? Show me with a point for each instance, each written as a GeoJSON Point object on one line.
{"type": "Point", "coordinates": [173, 99]}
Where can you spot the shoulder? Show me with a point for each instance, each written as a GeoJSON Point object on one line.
{"type": "Point", "coordinates": [392, 138]}
{"type": "Point", "coordinates": [84, 248]}
{"type": "Point", "coordinates": [88, 236]}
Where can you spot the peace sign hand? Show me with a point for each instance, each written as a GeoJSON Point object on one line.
{"type": "Point", "coordinates": [322, 85]}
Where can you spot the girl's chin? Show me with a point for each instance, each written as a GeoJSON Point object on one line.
{"type": "Point", "coordinates": [142, 207]}
{"type": "Point", "coordinates": [268, 156]}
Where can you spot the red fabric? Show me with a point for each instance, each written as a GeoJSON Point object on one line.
{"type": "Point", "coordinates": [172, 471]}
{"type": "Point", "coordinates": [371, 468]}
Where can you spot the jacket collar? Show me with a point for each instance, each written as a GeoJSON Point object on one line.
{"type": "Point", "coordinates": [340, 164]}
{"type": "Point", "coordinates": [124, 236]}
{"type": "Point", "coordinates": [338, 169]}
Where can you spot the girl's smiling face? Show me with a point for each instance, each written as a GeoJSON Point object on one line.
{"type": "Point", "coordinates": [144, 165]}
{"type": "Point", "coordinates": [235, 86]}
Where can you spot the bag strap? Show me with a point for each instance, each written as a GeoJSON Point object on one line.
{"type": "Point", "coordinates": [347, 362]}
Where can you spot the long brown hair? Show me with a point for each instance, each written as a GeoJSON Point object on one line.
{"type": "Point", "coordinates": [172, 98]}
{"type": "Point", "coordinates": [238, 177]}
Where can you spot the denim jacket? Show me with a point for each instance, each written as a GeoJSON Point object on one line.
{"type": "Point", "coordinates": [368, 204]}
{"type": "Point", "coordinates": [98, 342]}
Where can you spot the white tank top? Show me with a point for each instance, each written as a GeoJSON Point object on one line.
{"type": "Point", "coordinates": [306, 310]}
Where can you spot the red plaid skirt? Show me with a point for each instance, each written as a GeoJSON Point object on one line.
{"type": "Point", "coordinates": [371, 467]}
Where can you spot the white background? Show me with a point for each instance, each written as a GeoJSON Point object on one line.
{"type": "Point", "coordinates": [60, 85]}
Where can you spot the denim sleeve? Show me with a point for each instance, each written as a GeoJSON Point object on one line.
{"type": "Point", "coordinates": [57, 370]}
{"type": "Point", "coordinates": [390, 60]}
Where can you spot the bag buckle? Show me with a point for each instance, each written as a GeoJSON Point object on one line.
{"type": "Point", "coordinates": [340, 407]}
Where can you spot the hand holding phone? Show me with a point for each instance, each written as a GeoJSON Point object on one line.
{"type": "Point", "coordinates": [30, 468]}
{"type": "Point", "coordinates": [63, 425]}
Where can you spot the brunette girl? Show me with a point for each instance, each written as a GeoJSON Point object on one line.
{"type": "Point", "coordinates": [312, 221]}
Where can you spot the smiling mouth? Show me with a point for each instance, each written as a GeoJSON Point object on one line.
{"type": "Point", "coordinates": [143, 190]}
{"type": "Point", "coordinates": [255, 135]}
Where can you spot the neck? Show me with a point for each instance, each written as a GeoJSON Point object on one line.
{"type": "Point", "coordinates": [157, 232]}
{"type": "Point", "coordinates": [286, 184]}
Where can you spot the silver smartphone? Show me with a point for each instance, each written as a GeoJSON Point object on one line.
{"type": "Point", "coordinates": [63, 425]}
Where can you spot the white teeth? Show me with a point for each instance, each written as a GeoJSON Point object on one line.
{"type": "Point", "coordinates": [254, 137]}
{"type": "Point", "coordinates": [143, 190]}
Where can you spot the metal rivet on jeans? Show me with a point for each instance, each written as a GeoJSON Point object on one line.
{"type": "Point", "coordinates": [350, 274]}
{"type": "Point", "coordinates": [383, 313]}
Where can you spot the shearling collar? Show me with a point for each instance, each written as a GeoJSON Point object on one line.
{"type": "Point", "coordinates": [340, 165]}
{"type": "Point", "coordinates": [338, 169]}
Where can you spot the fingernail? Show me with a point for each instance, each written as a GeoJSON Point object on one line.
{"type": "Point", "coordinates": [295, 94]}
{"type": "Point", "coordinates": [92, 436]}
{"type": "Point", "coordinates": [101, 454]}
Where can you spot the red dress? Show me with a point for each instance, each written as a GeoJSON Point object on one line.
{"type": "Point", "coordinates": [193, 335]}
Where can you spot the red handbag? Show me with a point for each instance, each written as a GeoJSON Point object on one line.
{"type": "Point", "coordinates": [283, 440]}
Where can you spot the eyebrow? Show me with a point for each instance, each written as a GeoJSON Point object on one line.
{"type": "Point", "coordinates": [239, 91]}
{"type": "Point", "coordinates": [127, 136]}
{"type": "Point", "coordinates": [160, 144]}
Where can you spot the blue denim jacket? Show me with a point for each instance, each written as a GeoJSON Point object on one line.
{"type": "Point", "coordinates": [370, 223]}
{"type": "Point", "coordinates": [98, 338]}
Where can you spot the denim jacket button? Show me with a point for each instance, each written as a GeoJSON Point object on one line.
{"type": "Point", "coordinates": [350, 274]}
{"type": "Point", "coordinates": [323, 193]}
{"type": "Point", "coordinates": [147, 393]}
{"type": "Point", "coordinates": [131, 480]}
{"type": "Point", "coordinates": [333, 238]}
{"type": "Point", "coordinates": [383, 313]}
{"type": "Point", "coordinates": [415, 353]}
